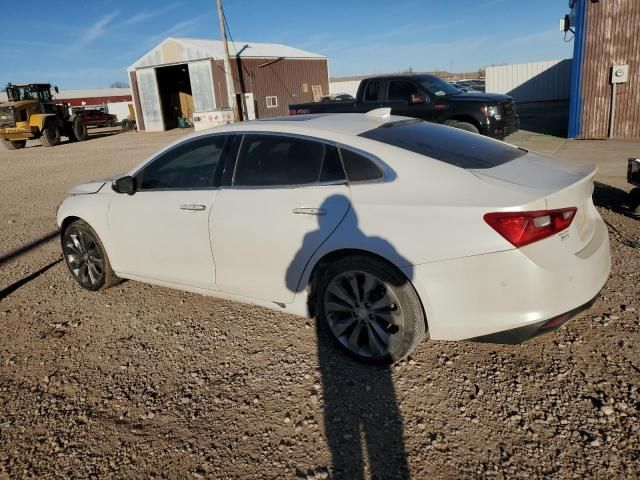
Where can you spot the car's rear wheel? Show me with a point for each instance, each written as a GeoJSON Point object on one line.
{"type": "Point", "coordinates": [370, 309]}
{"type": "Point", "coordinates": [86, 257]}
{"type": "Point", "coordinates": [14, 144]}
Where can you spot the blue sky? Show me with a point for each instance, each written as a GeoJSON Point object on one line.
{"type": "Point", "coordinates": [90, 43]}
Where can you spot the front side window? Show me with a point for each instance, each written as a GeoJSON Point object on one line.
{"type": "Point", "coordinates": [278, 160]}
{"type": "Point", "coordinates": [372, 92]}
{"type": "Point", "coordinates": [401, 90]}
{"type": "Point", "coordinates": [191, 165]}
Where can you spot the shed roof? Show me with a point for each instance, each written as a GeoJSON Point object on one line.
{"type": "Point", "coordinates": [177, 50]}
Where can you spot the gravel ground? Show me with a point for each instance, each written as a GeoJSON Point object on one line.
{"type": "Point", "coordinates": [144, 382]}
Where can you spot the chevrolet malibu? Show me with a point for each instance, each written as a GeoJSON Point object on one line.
{"type": "Point", "coordinates": [383, 228]}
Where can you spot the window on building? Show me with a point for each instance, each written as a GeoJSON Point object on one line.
{"type": "Point", "coordinates": [272, 102]}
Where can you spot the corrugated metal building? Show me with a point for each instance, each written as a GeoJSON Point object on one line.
{"type": "Point", "coordinates": [183, 76]}
{"type": "Point", "coordinates": [531, 82]}
{"type": "Point", "coordinates": [606, 34]}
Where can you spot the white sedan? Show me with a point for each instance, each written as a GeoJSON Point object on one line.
{"type": "Point", "coordinates": [381, 227]}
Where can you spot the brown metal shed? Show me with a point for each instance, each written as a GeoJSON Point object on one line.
{"type": "Point", "coordinates": [267, 78]}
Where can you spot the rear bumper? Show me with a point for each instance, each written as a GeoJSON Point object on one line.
{"type": "Point", "coordinates": [527, 332]}
{"type": "Point", "coordinates": [481, 295]}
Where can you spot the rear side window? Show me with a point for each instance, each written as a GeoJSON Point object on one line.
{"type": "Point", "coordinates": [449, 145]}
{"type": "Point", "coordinates": [372, 92]}
{"type": "Point", "coordinates": [359, 168]}
{"type": "Point", "coordinates": [278, 160]}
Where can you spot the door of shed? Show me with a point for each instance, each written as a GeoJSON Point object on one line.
{"type": "Point", "coordinates": [150, 100]}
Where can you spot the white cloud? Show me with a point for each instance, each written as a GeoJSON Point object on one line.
{"type": "Point", "coordinates": [179, 29]}
{"type": "Point", "coordinates": [149, 14]}
{"type": "Point", "coordinates": [96, 30]}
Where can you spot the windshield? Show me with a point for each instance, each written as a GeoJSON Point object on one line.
{"type": "Point", "coordinates": [16, 93]}
{"type": "Point", "coordinates": [438, 87]}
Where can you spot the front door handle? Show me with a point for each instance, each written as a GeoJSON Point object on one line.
{"type": "Point", "coordinates": [310, 211]}
{"type": "Point", "coordinates": [193, 207]}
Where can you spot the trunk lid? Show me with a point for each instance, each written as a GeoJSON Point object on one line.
{"type": "Point", "coordinates": [560, 186]}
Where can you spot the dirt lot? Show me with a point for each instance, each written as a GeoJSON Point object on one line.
{"type": "Point", "coordinates": [145, 382]}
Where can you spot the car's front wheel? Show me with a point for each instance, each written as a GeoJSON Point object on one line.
{"type": "Point", "coordinates": [370, 309]}
{"type": "Point", "coordinates": [86, 257]}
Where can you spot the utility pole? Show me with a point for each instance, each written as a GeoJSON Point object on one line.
{"type": "Point", "coordinates": [227, 65]}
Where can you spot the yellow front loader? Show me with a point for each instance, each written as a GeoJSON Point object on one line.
{"type": "Point", "coordinates": [30, 113]}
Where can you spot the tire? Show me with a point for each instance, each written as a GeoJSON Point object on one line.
{"type": "Point", "coordinates": [111, 124]}
{"type": "Point", "coordinates": [50, 135]}
{"type": "Point", "coordinates": [390, 323]}
{"type": "Point", "coordinates": [466, 126]}
{"type": "Point", "coordinates": [78, 131]}
{"type": "Point", "coordinates": [86, 257]}
{"type": "Point", "coordinates": [634, 202]}
{"type": "Point", "coordinates": [14, 144]}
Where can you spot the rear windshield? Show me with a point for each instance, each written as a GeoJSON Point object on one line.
{"type": "Point", "coordinates": [446, 144]}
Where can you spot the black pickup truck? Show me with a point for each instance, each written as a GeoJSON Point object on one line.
{"type": "Point", "coordinates": [429, 98]}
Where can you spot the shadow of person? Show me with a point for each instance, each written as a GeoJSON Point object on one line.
{"type": "Point", "coordinates": [359, 402]}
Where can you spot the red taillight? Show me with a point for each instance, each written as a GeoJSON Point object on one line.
{"type": "Point", "coordinates": [292, 112]}
{"type": "Point", "coordinates": [523, 228]}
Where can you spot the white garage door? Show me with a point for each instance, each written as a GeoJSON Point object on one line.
{"type": "Point", "coordinates": [150, 100]}
{"type": "Point", "coordinates": [202, 86]}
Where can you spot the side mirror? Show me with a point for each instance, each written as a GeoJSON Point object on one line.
{"type": "Point", "coordinates": [124, 185]}
{"type": "Point", "coordinates": [56, 89]}
{"type": "Point", "coordinates": [415, 99]}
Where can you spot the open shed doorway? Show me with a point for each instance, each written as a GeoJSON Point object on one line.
{"type": "Point", "coordinates": [174, 87]}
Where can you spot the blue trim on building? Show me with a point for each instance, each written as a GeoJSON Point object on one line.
{"type": "Point", "coordinates": [575, 95]}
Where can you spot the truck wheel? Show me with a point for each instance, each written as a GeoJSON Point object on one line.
{"type": "Point", "coordinates": [466, 126]}
{"type": "Point", "coordinates": [111, 124]}
{"type": "Point", "coordinates": [78, 131]}
{"type": "Point", "coordinates": [50, 135]}
{"type": "Point", "coordinates": [14, 144]}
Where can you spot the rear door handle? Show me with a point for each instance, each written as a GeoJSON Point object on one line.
{"type": "Point", "coordinates": [193, 207]}
{"type": "Point", "coordinates": [310, 211]}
